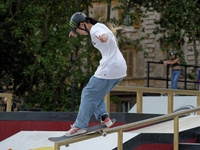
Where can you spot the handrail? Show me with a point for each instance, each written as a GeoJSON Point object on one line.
{"type": "Point", "coordinates": [151, 120]}
{"type": "Point", "coordinates": [9, 100]}
{"type": "Point", "coordinates": [155, 90]}
{"type": "Point", "coordinates": [140, 91]}
{"type": "Point", "coordinates": [120, 129]}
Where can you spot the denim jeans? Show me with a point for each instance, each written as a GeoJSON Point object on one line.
{"type": "Point", "coordinates": [92, 100]}
{"type": "Point", "coordinates": [174, 78]}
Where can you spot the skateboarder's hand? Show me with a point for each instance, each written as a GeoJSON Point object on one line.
{"type": "Point", "coordinates": [103, 38]}
{"type": "Point", "coordinates": [72, 34]}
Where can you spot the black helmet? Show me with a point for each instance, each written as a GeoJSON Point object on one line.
{"type": "Point", "coordinates": [172, 53]}
{"type": "Point", "coordinates": [75, 20]}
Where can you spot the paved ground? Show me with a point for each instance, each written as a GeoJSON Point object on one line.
{"type": "Point", "coordinates": [38, 140]}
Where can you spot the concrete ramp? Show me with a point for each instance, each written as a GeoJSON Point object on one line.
{"type": "Point", "coordinates": [185, 123]}
{"type": "Point", "coordinates": [38, 140]}
{"type": "Point", "coordinates": [160, 136]}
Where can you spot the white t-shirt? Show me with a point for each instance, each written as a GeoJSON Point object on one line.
{"type": "Point", "coordinates": [112, 65]}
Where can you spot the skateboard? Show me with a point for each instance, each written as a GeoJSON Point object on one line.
{"type": "Point", "coordinates": [91, 130]}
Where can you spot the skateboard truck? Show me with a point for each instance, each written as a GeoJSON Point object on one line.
{"type": "Point", "coordinates": [104, 134]}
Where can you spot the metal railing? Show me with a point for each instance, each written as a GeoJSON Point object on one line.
{"type": "Point", "coordinates": [122, 128]}
{"type": "Point", "coordinates": [140, 92]}
{"type": "Point", "coordinates": [167, 74]}
{"type": "Point", "coordinates": [170, 92]}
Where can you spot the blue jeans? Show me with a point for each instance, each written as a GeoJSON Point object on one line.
{"type": "Point", "coordinates": [92, 100]}
{"type": "Point", "coordinates": [174, 78]}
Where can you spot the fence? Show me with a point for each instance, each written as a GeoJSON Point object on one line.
{"type": "Point", "coordinates": [167, 74]}
{"type": "Point", "coordinates": [140, 90]}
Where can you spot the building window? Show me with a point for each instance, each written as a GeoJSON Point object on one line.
{"type": "Point", "coordinates": [128, 19]}
{"type": "Point", "coordinates": [128, 56]}
{"type": "Point", "coordinates": [131, 18]}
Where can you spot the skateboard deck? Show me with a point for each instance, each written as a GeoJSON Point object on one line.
{"type": "Point", "coordinates": [94, 129]}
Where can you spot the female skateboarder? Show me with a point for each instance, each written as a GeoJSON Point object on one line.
{"type": "Point", "coordinates": [111, 70]}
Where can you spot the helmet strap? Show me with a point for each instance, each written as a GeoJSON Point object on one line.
{"type": "Point", "coordinates": [85, 29]}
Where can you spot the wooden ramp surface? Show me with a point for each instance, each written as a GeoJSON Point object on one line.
{"type": "Point", "coordinates": [38, 140]}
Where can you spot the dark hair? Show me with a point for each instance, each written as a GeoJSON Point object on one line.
{"type": "Point", "coordinates": [173, 53]}
{"type": "Point", "coordinates": [91, 20]}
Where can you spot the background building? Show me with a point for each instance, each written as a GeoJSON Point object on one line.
{"type": "Point", "coordinates": [137, 60]}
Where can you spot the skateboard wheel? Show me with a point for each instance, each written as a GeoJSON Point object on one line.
{"type": "Point", "coordinates": [104, 134]}
{"type": "Point", "coordinates": [100, 131]}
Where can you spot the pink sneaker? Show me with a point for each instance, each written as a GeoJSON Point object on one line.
{"type": "Point", "coordinates": [107, 122]}
{"type": "Point", "coordinates": [75, 131]}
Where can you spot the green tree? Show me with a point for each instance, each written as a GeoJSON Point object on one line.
{"type": "Point", "coordinates": [52, 61]}
{"type": "Point", "coordinates": [192, 24]}
{"type": "Point", "coordinates": [179, 19]}
{"type": "Point", "coordinates": [13, 57]}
